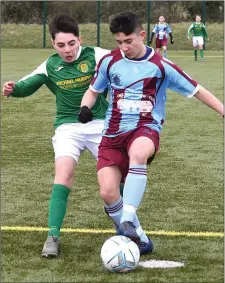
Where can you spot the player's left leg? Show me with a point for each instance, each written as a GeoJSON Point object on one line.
{"type": "Point", "coordinates": [136, 180]}
{"type": "Point", "coordinates": [164, 51]}
{"type": "Point", "coordinates": [201, 50]}
{"type": "Point", "coordinates": [164, 46]}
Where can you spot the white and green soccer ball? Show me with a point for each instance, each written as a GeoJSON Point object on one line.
{"type": "Point", "coordinates": [120, 254]}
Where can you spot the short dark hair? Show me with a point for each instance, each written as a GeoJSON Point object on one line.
{"type": "Point", "coordinates": [63, 23]}
{"type": "Point", "coordinates": [126, 22]}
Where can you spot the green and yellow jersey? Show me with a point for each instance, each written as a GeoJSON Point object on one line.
{"type": "Point", "coordinates": [197, 29]}
{"type": "Point", "coordinates": [68, 82]}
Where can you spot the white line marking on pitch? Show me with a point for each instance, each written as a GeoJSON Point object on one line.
{"type": "Point", "coordinates": [160, 264]}
{"type": "Point", "coordinates": [180, 56]}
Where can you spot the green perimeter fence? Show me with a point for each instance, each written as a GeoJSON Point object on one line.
{"type": "Point", "coordinates": [95, 31]}
{"type": "Point", "coordinates": [98, 16]}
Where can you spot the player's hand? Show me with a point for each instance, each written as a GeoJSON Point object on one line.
{"type": "Point", "coordinates": [7, 88]}
{"type": "Point", "coordinates": [150, 42]}
{"type": "Point", "coordinates": [172, 41]}
{"type": "Point", "coordinates": [85, 115]}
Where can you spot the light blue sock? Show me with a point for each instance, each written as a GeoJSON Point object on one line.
{"type": "Point", "coordinates": [133, 191]}
{"type": "Point", "coordinates": [139, 230]}
{"type": "Point", "coordinates": [115, 211]}
{"type": "Point", "coordinates": [164, 54]}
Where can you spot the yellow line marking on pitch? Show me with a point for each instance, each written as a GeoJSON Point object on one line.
{"type": "Point", "coordinates": [180, 56]}
{"type": "Point", "coordinates": [108, 231]}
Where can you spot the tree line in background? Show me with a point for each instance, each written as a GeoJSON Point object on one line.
{"type": "Point", "coordinates": [32, 12]}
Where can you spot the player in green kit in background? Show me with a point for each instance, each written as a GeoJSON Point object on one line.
{"type": "Point", "coordinates": [67, 74]}
{"type": "Point", "coordinates": [198, 30]}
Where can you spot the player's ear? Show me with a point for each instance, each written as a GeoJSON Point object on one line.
{"type": "Point", "coordinates": [80, 38]}
{"type": "Point", "coordinates": [142, 35]}
{"type": "Point", "coordinates": [52, 42]}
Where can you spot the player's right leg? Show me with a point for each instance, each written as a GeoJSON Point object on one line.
{"type": "Point", "coordinates": [195, 45]}
{"type": "Point", "coordinates": [158, 45]}
{"type": "Point", "coordinates": [109, 181]}
{"type": "Point", "coordinates": [67, 147]}
{"type": "Point", "coordinates": [93, 131]}
{"type": "Point", "coordinates": [111, 169]}
{"type": "Point", "coordinates": [64, 173]}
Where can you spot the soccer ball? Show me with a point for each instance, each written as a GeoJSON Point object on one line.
{"type": "Point", "coordinates": [120, 254]}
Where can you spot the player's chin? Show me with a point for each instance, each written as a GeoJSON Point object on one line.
{"type": "Point", "coordinates": [69, 59]}
{"type": "Point", "coordinates": [130, 56]}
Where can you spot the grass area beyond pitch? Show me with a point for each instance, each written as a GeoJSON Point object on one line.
{"type": "Point", "coordinates": [31, 36]}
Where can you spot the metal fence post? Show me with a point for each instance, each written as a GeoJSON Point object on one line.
{"type": "Point", "coordinates": [148, 20]}
{"type": "Point", "coordinates": [203, 17]}
{"type": "Point", "coordinates": [44, 22]}
{"type": "Point", "coordinates": [98, 21]}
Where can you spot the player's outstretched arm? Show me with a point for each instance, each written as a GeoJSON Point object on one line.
{"type": "Point", "coordinates": [8, 88]}
{"type": "Point", "coordinates": [190, 31]}
{"type": "Point", "coordinates": [171, 38]}
{"type": "Point", "coordinates": [28, 84]}
{"type": "Point", "coordinates": [151, 38]}
{"type": "Point", "coordinates": [88, 101]}
{"type": "Point", "coordinates": [205, 32]}
{"type": "Point", "coordinates": [210, 100]}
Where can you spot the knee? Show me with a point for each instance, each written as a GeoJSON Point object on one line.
{"type": "Point", "coordinates": [109, 194]}
{"type": "Point", "coordinates": [64, 178]}
{"type": "Point", "coordinates": [139, 157]}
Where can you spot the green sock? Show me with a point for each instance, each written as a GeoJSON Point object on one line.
{"type": "Point", "coordinates": [201, 53]}
{"type": "Point", "coordinates": [121, 189]}
{"type": "Point", "coordinates": [57, 208]}
{"type": "Point", "coordinates": [196, 53]}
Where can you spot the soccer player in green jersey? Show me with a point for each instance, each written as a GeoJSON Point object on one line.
{"type": "Point", "coordinates": [67, 74]}
{"type": "Point", "coordinates": [198, 30]}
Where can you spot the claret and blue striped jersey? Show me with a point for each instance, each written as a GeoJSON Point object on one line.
{"type": "Point", "coordinates": [162, 30]}
{"type": "Point", "coordinates": [138, 90]}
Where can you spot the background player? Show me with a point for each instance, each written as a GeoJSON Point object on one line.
{"type": "Point", "coordinates": [137, 78]}
{"type": "Point", "coordinates": [198, 30]}
{"type": "Point", "coordinates": [161, 32]}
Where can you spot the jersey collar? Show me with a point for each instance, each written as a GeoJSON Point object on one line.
{"type": "Point", "coordinates": [78, 53]}
{"type": "Point", "coordinates": [150, 56]}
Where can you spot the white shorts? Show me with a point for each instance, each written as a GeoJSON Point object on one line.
{"type": "Point", "coordinates": [72, 138]}
{"type": "Point", "coordinates": [197, 40]}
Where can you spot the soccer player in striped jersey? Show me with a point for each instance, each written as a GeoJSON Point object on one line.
{"type": "Point", "coordinates": [137, 79]}
{"type": "Point", "coordinates": [161, 32]}
{"type": "Point", "coordinates": [198, 30]}
{"type": "Point", "coordinates": [67, 74]}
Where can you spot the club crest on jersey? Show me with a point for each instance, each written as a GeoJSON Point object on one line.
{"type": "Point", "coordinates": [84, 67]}
{"type": "Point", "coordinates": [116, 79]}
